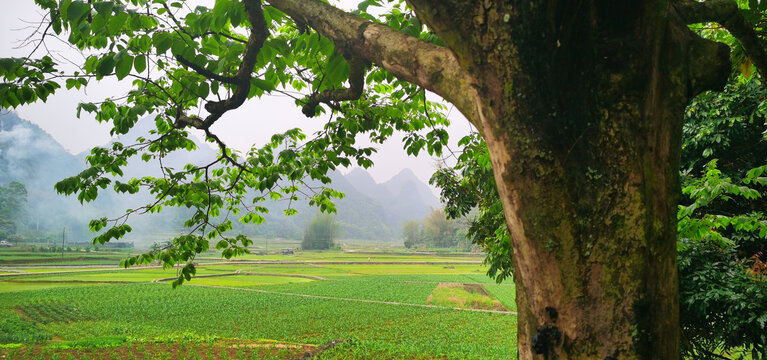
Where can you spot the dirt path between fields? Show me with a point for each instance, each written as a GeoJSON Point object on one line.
{"type": "Point", "coordinates": [250, 273]}
{"type": "Point", "coordinates": [355, 300]}
{"type": "Point", "coordinates": [338, 262]}
{"type": "Point", "coordinates": [64, 272]}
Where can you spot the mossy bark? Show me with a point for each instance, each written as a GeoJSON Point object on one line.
{"type": "Point", "coordinates": [581, 106]}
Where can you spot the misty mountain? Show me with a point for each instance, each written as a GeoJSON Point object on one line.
{"type": "Point", "coordinates": [31, 156]}
{"type": "Point", "coordinates": [404, 196]}
{"type": "Point", "coordinates": [202, 155]}
{"type": "Point", "coordinates": [358, 215]}
{"type": "Point", "coordinates": [406, 183]}
{"type": "Point", "coordinates": [364, 183]}
{"type": "Point", "coordinates": [368, 210]}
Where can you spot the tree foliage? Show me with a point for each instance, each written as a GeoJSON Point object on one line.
{"type": "Point", "coordinates": [610, 104]}
{"type": "Point", "coordinates": [321, 232]}
{"type": "Point", "coordinates": [468, 185]}
{"type": "Point", "coordinates": [410, 232]}
{"type": "Point", "coordinates": [183, 60]}
{"type": "Point", "coordinates": [13, 199]}
{"type": "Point", "coordinates": [722, 223]}
{"type": "Point", "coordinates": [729, 126]}
{"type": "Point", "coordinates": [723, 285]}
{"type": "Point", "coordinates": [436, 230]}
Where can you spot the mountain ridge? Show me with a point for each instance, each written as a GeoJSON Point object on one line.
{"type": "Point", "coordinates": [368, 211]}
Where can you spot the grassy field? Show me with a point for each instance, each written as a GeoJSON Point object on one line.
{"type": "Point", "coordinates": [334, 305]}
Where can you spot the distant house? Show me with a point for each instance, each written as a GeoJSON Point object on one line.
{"type": "Point", "coordinates": [4, 243]}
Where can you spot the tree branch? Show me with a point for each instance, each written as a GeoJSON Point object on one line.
{"type": "Point", "coordinates": [727, 14]}
{"type": "Point", "coordinates": [356, 85]}
{"type": "Point", "coordinates": [230, 37]}
{"type": "Point", "coordinates": [410, 59]}
{"type": "Point", "coordinates": [205, 72]}
{"type": "Point", "coordinates": [241, 80]}
{"type": "Point", "coordinates": [193, 121]}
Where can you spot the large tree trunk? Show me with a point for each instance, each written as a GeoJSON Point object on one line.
{"type": "Point", "coordinates": [581, 105]}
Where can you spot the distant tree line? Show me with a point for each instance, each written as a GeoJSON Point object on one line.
{"type": "Point", "coordinates": [13, 199]}
{"type": "Point", "coordinates": [436, 231]}
{"type": "Point", "coordinates": [320, 232]}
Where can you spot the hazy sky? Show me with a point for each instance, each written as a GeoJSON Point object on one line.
{"type": "Point", "coordinates": [253, 123]}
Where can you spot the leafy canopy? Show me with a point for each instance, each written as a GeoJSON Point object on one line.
{"type": "Point", "coordinates": [181, 59]}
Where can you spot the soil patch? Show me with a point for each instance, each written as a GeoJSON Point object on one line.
{"type": "Point", "coordinates": [111, 260]}
{"type": "Point", "coordinates": [464, 296]}
{"type": "Point", "coordinates": [20, 312]}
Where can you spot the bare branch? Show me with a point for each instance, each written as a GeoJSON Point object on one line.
{"type": "Point", "coordinates": [205, 72]}
{"type": "Point", "coordinates": [230, 37]}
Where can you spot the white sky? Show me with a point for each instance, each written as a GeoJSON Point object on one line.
{"type": "Point", "coordinates": [253, 123]}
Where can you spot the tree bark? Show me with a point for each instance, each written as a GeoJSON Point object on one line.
{"type": "Point", "coordinates": [581, 106]}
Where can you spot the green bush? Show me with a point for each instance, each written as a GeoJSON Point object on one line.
{"type": "Point", "coordinates": [723, 296]}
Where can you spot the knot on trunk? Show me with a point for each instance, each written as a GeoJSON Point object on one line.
{"type": "Point", "coordinates": [546, 337]}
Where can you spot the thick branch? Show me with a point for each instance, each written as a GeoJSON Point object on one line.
{"type": "Point", "coordinates": [356, 85]}
{"type": "Point", "coordinates": [726, 13]}
{"type": "Point", "coordinates": [258, 34]}
{"type": "Point", "coordinates": [241, 80]}
{"type": "Point", "coordinates": [408, 58]}
{"type": "Point", "coordinates": [193, 121]}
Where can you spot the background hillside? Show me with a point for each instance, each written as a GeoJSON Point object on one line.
{"type": "Point", "coordinates": [369, 211]}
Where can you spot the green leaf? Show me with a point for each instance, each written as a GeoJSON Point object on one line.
{"type": "Point", "coordinates": [139, 63]}
{"type": "Point", "coordinates": [76, 11]}
{"type": "Point", "coordinates": [264, 85]}
{"type": "Point", "coordinates": [336, 71]}
{"type": "Point", "coordinates": [104, 7]}
{"type": "Point", "coordinates": [106, 65]}
{"type": "Point", "coordinates": [178, 46]}
{"type": "Point", "coordinates": [70, 83]}
{"type": "Point", "coordinates": [162, 42]}
{"type": "Point", "coordinates": [117, 22]}
{"type": "Point", "coordinates": [124, 66]}
{"type": "Point", "coordinates": [203, 90]}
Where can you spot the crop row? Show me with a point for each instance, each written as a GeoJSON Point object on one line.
{"type": "Point", "coordinates": [44, 312]}
{"type": "Point", "coordinates": [413, 289]}
{"type": "Point", "coordinates": [379, 288]}
{"type": "Point", "coordinates": [15, 329]}
{"type": "Point", "coordinates": [157, 310]}
{"type": "Point", "coordinates": [131, 351]}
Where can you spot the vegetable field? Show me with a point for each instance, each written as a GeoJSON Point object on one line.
{"type": "Point", "coordinates": [243, 310]}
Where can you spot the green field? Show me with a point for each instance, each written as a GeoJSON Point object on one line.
{"type": "Point", "coordinates": [373, 305]}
